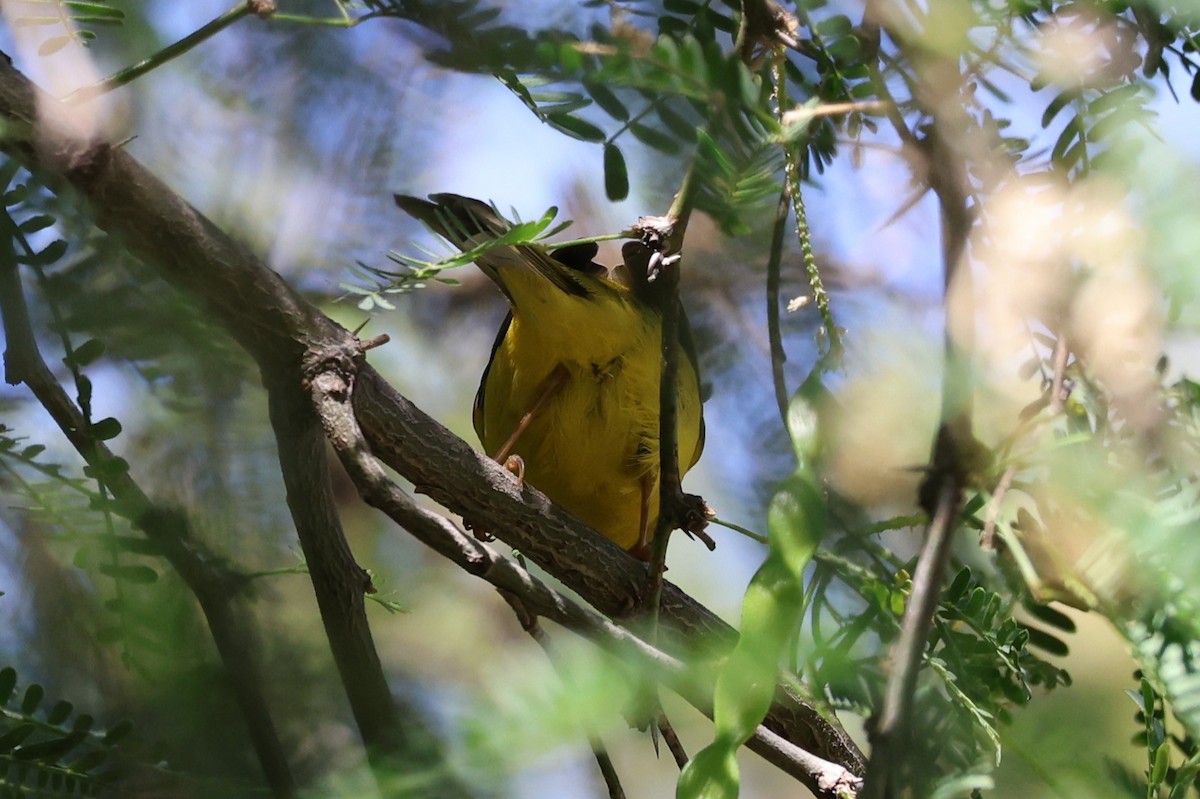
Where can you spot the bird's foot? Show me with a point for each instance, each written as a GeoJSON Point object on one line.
{"type": "Point", "coordinates": [694, 514]}
{"type": "Point", "coordinates": [515, 465]}
{"type": "Point", "coordinates": [478, 531]}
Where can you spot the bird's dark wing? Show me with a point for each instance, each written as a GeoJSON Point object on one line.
{"type": "Point", "coordinates": [477, 416]}
{"type": "Point", "coordinates": [688, 344]}
{"type": "Point", "coordinates": [580, 258]}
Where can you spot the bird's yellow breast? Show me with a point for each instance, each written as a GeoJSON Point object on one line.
{"type": "Point", "coordinates": [593, 446]}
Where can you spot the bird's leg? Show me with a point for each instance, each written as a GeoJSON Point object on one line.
{"type": "Point", "coordinates": [641, 550]}
{"type": "Point", "coordinates": [546, 391]}
{"type": "Point", "coordinates": [514, 463]}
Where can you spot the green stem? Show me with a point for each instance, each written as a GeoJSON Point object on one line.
{"type": "Point", "coordinates": [792, 190]}
{"type": "Point", "coordinates": [774, 332]}
{"type": "Point", "coordinates": [803, 234]}
{"type": "Point", "coordinates": [327, 22]}
{"type": "Point", "coordinates": [737, 528]}
{"type": "Point", "coordinates": [171, 51]}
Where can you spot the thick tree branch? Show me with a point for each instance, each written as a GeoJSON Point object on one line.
{"type": "Point", "coordinates": [277, 327]}
{"type": "Point", "coordinates": [214, 586]}
{"type": "Point", "coordinates": [331, 373]}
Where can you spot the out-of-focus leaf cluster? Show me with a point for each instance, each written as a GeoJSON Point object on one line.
{"type": "Point", "coordinates": [50, 750]}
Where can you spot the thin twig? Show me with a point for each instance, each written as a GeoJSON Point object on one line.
{"type": "Point", "coordinates": [529, 623]}
{"type": "Point", "coordinates": [672, 740]}
{"type": "Point", "coordinates": [803, 113]}
{"type": "Point", "coordinates": [987, 540]}
{"type": "Point", "coordinates": [891, 724]}
{"type": "Point", "coordinates": [168, 53]}
{"type": "Point", "coordinates": [1061, 352]}
{"type": "Point", "coordinates": [941, 492]}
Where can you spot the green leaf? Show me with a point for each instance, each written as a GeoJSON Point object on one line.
{"type": "Point", "coordinates": [35, 223]}
{"type": "Point", "coordinates": [83, 385]}
{"type": "Point", "coordinates": [1051, 616]}
{"type": "Point", "coordinates": [30, 22]}
{"type": "Point", "coordinates": [86, 353]}
{"type": "Point", "coordinates": [117, 732]}
{"type": "Point", "coordinates": [654, 138]}
{"type": "Point", "coordinates": [1114, 99]}
{"type": "Point", "coordinates": [12, 738]}
{"type": "Point", "coordinates": [959, 586]}
{"type": "Point", "coordinates": [8, 681]}
{"type": "Point", "coordinates": [107, 469]}
{"type": "Point", "coordinates": [555, 97]}
{"type": "Point", "coordinates": [33, 696]}
{"type": "Point", "coordinates": [51, 253]}
{"type": "Point", "coordinates": [90, 761]}
{"type": "Point", "coordinates": [803, 420]}
{"type": "Point", "coordinates": [564, 107]}
{"type": "Point", "coordinates": [94, 20]}
{"type": "Point", "coordinates": [691, 61]}
{"type": "Point", "coordinates": [137, 545]}
{"type": "Point", "coordinates": [748, 85]}
{"type": "Point", "coordinates": [846, 50]}
{"type": "Point", "coordinates": [1057, 104]}
{"type": "Point", "coordinates": [1047, 642]}
{"type": "Point", "coordinates": [575, 127]}
{"type": "Point", "coordinates": [50, 750]}
{"type": "Point", "coordinates": [836, 25]}
{"type": "Point", "coordinates": [711, 774]}
{"type": "Point", "coordinates": [95, 9]}
{"type": "Point", "coordinates": [511, 80]}
{"type": "Point", "coordinates": [106, 429]}
{"type": "Point", "coordinates": [682, 128]}
{"type": "Point", "coordinates": [570, 57]}
{"type": "Point", "coordinates": [136, 574]}
{"type": "Point", "coordinates": [1066, 138]}
{"type": "Point", "coordinates": [666, 52]}
{"type": "Point", "coordinates": [718, 20]}
{"type": "Point", "coordinates": [60, 712]}
{"type": "Point", "coordinates": [606, 99]}
{"type": "Point", "coordinates": [53, 45]}
{"type": "Point", "coordinates": [616, 174]}
{"type": "Point", "coordinates": [16, 195]}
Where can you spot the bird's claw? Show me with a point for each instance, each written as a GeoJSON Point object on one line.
{"type": "Point", "coordinates": [694, 516]}
{"type": "Point", "coordinates": [516, 466]}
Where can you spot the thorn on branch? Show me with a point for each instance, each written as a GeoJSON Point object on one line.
{"type": "Point", "coordinates": [375, 341]}
{"type": "Point", "coordinates": [85, 164]}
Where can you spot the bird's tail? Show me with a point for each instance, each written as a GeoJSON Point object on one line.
{"type": "Point", "coordinates": [469, 224]}
{"type": "Point", "coordinates": [460, 220]}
